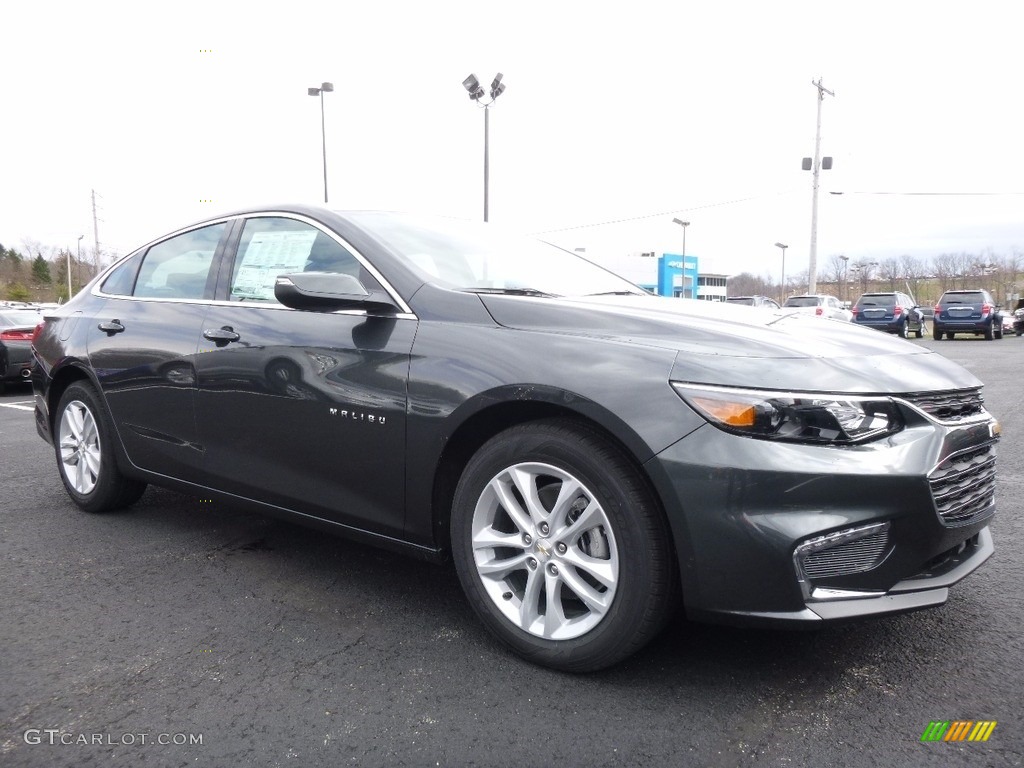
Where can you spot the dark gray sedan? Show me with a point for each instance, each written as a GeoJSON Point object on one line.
{"type": "Point", "coordinates": [592, 458]}
{"type": "Point", "coordinates": [16, 327]}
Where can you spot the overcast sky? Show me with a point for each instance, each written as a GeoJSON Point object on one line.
{"type": "Point", "coordinates": [616, 118]}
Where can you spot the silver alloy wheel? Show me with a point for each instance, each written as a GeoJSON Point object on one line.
{"type": "Point", "coordinates": [545, 551]}
{"type": "Point", "coordinates": [79, 447]}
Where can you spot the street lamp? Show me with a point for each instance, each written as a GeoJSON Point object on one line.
{"type": "Point", "coordinates": [782, 292]}
{"type": "Point", "coordinates": [842, 285]}
{"type": "Point", "coordinates": [324, 88]}
{"type": "Point", "coordinates": [476, 92]}
{"type": "Point", "coordinates": [684, 225]}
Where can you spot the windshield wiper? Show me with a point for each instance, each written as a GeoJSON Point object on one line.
{"type": "Point", "coordinates": [513, 292]}
{"type": "Point", "coordinates": [618, 293]}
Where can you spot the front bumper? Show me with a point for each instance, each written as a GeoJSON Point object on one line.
{"type": "Point", "coordinates": [742, 510]}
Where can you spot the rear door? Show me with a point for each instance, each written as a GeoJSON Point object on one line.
{"type": "Point", "coordinates": [142, 345]}
{"type": "Point", "coordinates": [304, 410]}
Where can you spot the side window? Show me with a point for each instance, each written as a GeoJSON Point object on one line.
{"type": "Point", "coordinates": [178, 267]}
{"type": "Point", "coordinates": [121, 280]}
{"type": "Point", "coordinates": [277, 246]}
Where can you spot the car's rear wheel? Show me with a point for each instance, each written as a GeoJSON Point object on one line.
{"type": "Point", "coordinates": [936, 333]}
{"type": "Point", "coordinates": [902, 332]}
{"type": "Point", "coordinates": [560, 547]}
{"type": "Point", "coordinates": [989, 334]}
{"type": "Point", "coordinates": [949, 335]}
{"type": "Point", "coordinates": [85, 453]}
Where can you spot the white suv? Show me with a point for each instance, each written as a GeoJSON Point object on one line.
{"type": "Point", "coordinates": [821, 305]}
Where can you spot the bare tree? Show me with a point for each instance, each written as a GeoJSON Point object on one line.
{"type": "Point", "coordinates": [945, 270]}
{"type": "Point", "coordinates": [890, 271]}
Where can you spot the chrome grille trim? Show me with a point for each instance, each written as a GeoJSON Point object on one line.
{"type": "Point", "coordinates": [846, 559]}
{"type": "Point", "coordinates": [949, 407]}
{"type": "Point", "coordinates": [964, 485]}
{"type": "Point", "coordinates": [842, 553]}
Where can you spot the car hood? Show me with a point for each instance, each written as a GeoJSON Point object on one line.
{"type": "Point", "coordinates": [716, 343]}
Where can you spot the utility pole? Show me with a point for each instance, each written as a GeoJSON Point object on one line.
{"type": "Point", "coordinates": [812, 270]}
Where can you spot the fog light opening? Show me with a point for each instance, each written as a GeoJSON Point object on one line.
{"type": "Point", "coordinates": [842, 553]}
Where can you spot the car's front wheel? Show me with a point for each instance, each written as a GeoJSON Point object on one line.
{"type": "Point", "coordinates": [560, 547]}
{"type": "Point", "coordinates": [85, 453]}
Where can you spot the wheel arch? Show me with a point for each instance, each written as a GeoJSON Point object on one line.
{"type": "Point", "coordinates": [483, 424]}
{"type": "Point", "coordinates": [63, 377]}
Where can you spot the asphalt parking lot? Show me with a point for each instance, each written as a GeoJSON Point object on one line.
{"type": "Point", "coordinates": [184, 633]}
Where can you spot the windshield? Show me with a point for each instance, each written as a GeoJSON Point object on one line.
{"type": "Point", "coordinates": [474, 256]}
{"type": "Point", "coordinates": [964, 297]}
{"type": "Point", "coordinates": [19, 317]}
{"type": "Point", "coordinates": [877, 300]}
{"type": "Point", "coordinates": [802, 301]}
{"type": "Point", "coordinates": [749, 301]}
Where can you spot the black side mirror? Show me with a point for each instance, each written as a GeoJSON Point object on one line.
{"type": "Point", "coordinates": [328, 291]}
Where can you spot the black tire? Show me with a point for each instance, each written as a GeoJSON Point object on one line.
{"type": "Point", "coordinates": [936, 333]}
{"type": "Point", "coordinates": [999, 332]}
{"type": "Point", "coordinates": [83, 440]}
{"type": "Point", "coordinates": [625, 540]}
{"type": "Point", "coordinates": [902, 332]}
{"type": "Point", "coordinates": [949, 335]}
{"type": "Point", "coordinates": [989, 334]}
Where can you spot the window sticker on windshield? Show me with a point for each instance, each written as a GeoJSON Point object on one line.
{"type": "Point", "coordinates": [268, 255]}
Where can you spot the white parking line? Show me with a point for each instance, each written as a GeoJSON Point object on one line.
{"type": "Point", "coordinates": [26, 406]}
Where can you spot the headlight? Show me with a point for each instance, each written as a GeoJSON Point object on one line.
{"type": "Point", "coordinates": [804, 417]}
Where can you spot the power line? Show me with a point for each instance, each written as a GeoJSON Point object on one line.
{"type": "Point", "coordinates": [663, 213]}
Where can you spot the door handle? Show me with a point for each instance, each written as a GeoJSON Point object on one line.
{"type": "Point", "coordinates": [221, 336]}
{"type": "Point", "coordinates": [111, 327]}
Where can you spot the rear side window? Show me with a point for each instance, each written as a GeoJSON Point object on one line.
{"type": "Point", "coordinates": [178, 268]}
{"type": "Point", "coordinates": [121, 281]}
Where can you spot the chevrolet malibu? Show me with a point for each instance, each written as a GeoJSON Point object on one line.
{"type": "Point", "coordinates": [590, 457]}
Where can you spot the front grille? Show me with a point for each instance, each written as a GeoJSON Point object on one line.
{"type": "Point", "coordinates": [964, 485]}
{"type": "Point", "coordinates": [848, 558]}
{"type": "Point", "coordinates": [950, 407]}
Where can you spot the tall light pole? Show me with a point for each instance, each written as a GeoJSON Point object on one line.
{"type": "Point", "coordinates": [324, 88]}
{"type": "Point", "coordinates": [684, 225]}
{"type": "Point", "coordinates": [842, 285]}
{"type": "Point", "coordinates": [782, 288]}
{"type": "Point", "coordinates": [476, 92]}
{"type": "Point", "coordinates": [812, 270]}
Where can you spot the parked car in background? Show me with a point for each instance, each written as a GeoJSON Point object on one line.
{"type": "Point", "coordinates": [16, 326]}
{"type": "Point", "coordinates": [967, 311]}
{"type": "Point", "coordinates": [1018, 318]}
{"type": "Point", "coordinates": [893, 312]}
{"type": "Point", "coordinates": [589, 456]}
{"type": "Point", "coordinates": [753, 301]}
{"type": "Point", "coordinates": [819, 305]}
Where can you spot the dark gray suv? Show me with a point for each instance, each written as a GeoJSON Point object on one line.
{"type": "Point", "coordinates": [968, 311]}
